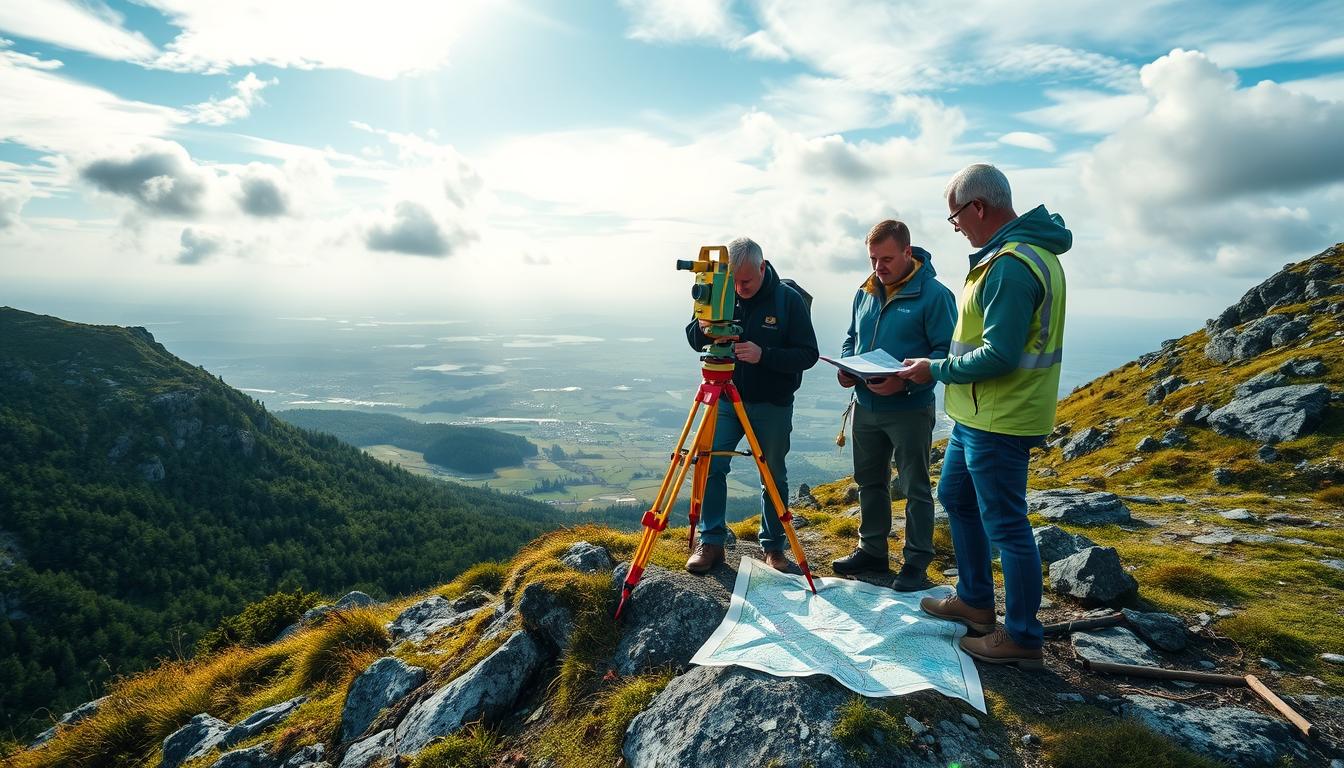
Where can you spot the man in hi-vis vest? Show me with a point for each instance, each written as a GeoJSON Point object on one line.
{"type": "Point", "coordinates": [1002, 377]}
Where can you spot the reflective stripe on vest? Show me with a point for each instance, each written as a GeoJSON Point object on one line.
{"type": "Point", "coordinates": [1022, 401]}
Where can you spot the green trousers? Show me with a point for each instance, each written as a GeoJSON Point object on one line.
{"type": "Point", "coordinates": [903, 438]}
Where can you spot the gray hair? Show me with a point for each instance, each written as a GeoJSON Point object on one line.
{"type": "Point", "coordinates": [980, 181]}
{"type": "Point", "coordinates": [744, 252]}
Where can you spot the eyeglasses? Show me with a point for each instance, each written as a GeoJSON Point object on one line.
{"type": "Point", "coordinates": [957, 212]}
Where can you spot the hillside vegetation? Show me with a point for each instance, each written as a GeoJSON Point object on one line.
{"type": "Point", "coordinates": [473, 450]}
{"type": "Point", "coordinates": [141, 500]}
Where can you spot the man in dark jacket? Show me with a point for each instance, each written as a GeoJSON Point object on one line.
{"type": "Point", "coordinates": [776, 345]}
{"type": "Point", "coordinates": [899, 308]}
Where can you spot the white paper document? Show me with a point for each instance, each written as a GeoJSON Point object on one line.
{"type": "Point", "coordinates": [869, 365]}
{"type": "Point", "coordinates": [873, 640]}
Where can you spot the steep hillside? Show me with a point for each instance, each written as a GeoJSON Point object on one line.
{"type": "Point", "coordinates": [1205, 550]}
{"type": "Point", "coordinates": [142, 499]}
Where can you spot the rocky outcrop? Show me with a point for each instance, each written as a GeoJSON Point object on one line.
{"type": "Point", "coordinates": [670, 614]}
{"type": "Point", "coordinates": [589, 558]}
{"type": "Point", "coordinates": [1093, 576]}
{"type": "Point", "coordinates": [1077, 507]}
{"type": "Point", "coordinates": [1055, 543]}
{"type": "Point", "coordinates": [1161, 630]}
{"type": "Point", "coordinates": [1085, 442]}
{"type": "Point", "coordinates": [82, 712]}
{"type": "Point", "coordinates": [546, 616]}
{"type": "Point", "coordinates": [1159, 391]}
{"type": "Point", "coordinates": [1284, 287]}
{"type": "Point", "coordinates": [1260, 382]}
{"type": "Point", "coordinates": [435, 614]}
{"type": "Point", "coordinates": [1234, 735]}
{"type": "Point", "coordinates": [384, 683]}
{"type": "Point", "coordinates": [1273, 415]}
{"type": "Point", "coordinates": [200, 735]}
{"type": "Point", "coordinates": [260, 720]}
{"type": "Point", "coordinates": [1113, 645]}
{"type": "Point", "coordinates": [365, 753]}
{"type": "Point", "coordinates": [486, 692]}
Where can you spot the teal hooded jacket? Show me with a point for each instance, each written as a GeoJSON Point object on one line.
{"type": "Point", "coordinates": [917, 322]}
{"type": "Point", "coordinates": [1010, 294]}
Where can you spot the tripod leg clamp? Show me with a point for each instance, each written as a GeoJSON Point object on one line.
{"type": "Point", "coordinates": [651, 521]}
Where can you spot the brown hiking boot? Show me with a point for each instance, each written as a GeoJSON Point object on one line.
{"type": "Point", "coordinates": [953, 609]}
{"type": "Point", "coordinates": [779, 562]}
{"type": "Point", "coordinates": [999, 648]}
{"type": "Point", "coordinates": [705, 557]}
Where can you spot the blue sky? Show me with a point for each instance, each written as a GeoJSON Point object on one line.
{"type": "Point", "coordinates": [412, 156]}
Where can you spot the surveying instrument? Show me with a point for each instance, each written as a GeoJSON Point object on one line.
{"type": "Point", "coordinates": [715, 299]}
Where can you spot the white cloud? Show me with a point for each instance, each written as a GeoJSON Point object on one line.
{"type": "Point", "coordinates": [681, 20]}
{"type": "Point", "coordinates": [247, 94]}
{"type": "Point", "coordinates": [1215, 175]}
{"type": "Point", "coordinates": [91, 27]}
{"type": "Point", "coordinates": [1027, 140]}
{"type": "Point", "coordinates": [1087, 112]}
{"type": "Point", "coordinates": [411, 229]}
{"type": "Point", "coordinates": [383, 40]}
{"type": "Point", "coordinates": [262, 191]}
{"type": "Point", "coordinates": [48, 112]}
{"type": "Point", "coordinates": [160, 178]}
{"type": "Point", "coordinates": [1325, 87]}
{"type": "Point", "coordinates": [12, 199]}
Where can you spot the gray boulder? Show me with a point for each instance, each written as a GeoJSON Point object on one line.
{"type": "Point", "coordinates": [670, 614]}
{"type": "Point", "coordinates": [261, 720]}
{"type": "Point", "coordinates": [1174, 438]}
{"type": "Point", "coordinates": [1055, 543]}
{"type": "Point", "coordinates": [1298, 367]}
{"type": "Point", "coordinates": [1114, 645]}
{"type": "Point", "coordinates": [363, 754]}
{"type": "Point", "coordinates": [435, 614]}
{"type": "Point", "coordinates": [1273, 415]}
{"type": "Point", "coordinates": [1256, 337]}
{"type": "Point", "coordinates": [588, 558]}
{"type": "Point", "coordinates": [1078, 507]}
{"type": "Point", "coordinates": [200, 735]}
{"type": "Point", "coordinates": [1085, 442]}
{"type": "Point", "coordinates": [82, 712]}
{"type": "Point", "coordinates": [1162, 630]}
{"type": "Point", "coordinates": [804, 499]}
{"type": "Point", "coordinates": [546, 616]}
{"type": "Point", "coordinates": [252, 757]}
{"type": "Point", "coordinates": [1267, 454]}
{"type": "Point", "coordinates": [1159, 391]}
{"type": "Point", "coordinates": [1260, 382]}
{"type": "Point", "coordinates": [384, 683]}
{"type": "Point", "coordinates": [1094, 576]}
{"type": "Point", "coordinates": [354, 599]}
{"type": "Point", "coordinates": [311, 756]}
{"type": "Point", "coordinates": [1290, 331]}
{"type": "Point", "coordinates": [1234, 735]}
{"type": "Point", "coordinates": [1148, 445]}
{"type": "Point", "coordinates": [486, 692]}
{"type": "Point", "coordinates": [1194, 416]}
{"type": "Point", "coordinates": [1239, 515]}
{"type": "Point", "coordinates": [781, 721]}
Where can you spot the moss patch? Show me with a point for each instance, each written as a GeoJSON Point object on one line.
{"type": "Point", "coordinates": [872, 733]}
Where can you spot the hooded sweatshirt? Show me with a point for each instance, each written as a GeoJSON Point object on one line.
{"type": "Point", "coordinates": [1010, 294]}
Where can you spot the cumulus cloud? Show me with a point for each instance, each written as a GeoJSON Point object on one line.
{"type": "Point", "coordinates": [262, 191]}
{"type": "Point", "coordinates": [246, 94]}
{"type": "Point", "coordinates": [1027, 140]}
{"type": "Point", "coordinates": [12, 199]}
{"type": "Point", "coordinates": [198, 246]}
{"type": "Point", "coordinates": [161, 179]}
{"type": "Point", "coordinates": [383, 40]}
{"type": "Point", "coordinates": [413, 230]}
{"type": "Point", "coordinates": [1205, 137]}
{"type": "Point", "coordinates": [89, 26]}
{"type": "Point", "coordinates": [1214, 173]}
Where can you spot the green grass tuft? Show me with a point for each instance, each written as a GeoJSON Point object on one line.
{"type": "Point", "coordinates": [1190, 581]}
{"type": "Point", "coordinates": [871, 733]}
{"type": "Point", "coordinates": [472, 747]}
{"type": "Point", "coordinates": [1087, 739]}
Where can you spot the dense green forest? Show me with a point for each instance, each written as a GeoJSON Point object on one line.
{"type": "Point", "coordinates": [466, 449]}
{"type": "Point", "coordinates": [142, 499]}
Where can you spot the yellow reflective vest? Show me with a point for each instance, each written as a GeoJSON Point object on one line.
{"type": "Point", "coordinates": [1021, 402]}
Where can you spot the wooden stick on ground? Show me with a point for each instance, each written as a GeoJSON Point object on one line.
{"type": "Point", "coordinates": [1248, 681]}
{"type": "Point", "coordinates": [1065, 627]}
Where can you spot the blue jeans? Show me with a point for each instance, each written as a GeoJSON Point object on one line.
{"type": "Point", "coordinates": [984, 490]}
{"type": "Point", "coordinates": [772, 425]}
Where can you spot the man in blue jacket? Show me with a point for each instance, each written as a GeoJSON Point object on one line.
{"type": "Point", "coordinates": [903, 310]}
{"type": "Point", "coordinates": [776, 345]}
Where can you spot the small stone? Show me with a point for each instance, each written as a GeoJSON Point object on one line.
{"type": "Point", "coordinates": [970, 721]}
{"type": "Point", "coordinates": [950, 572]}
{"type": "Point", "coordinates": [1076, 698]}
{"type": "Point", "coordinates": [770, 725]}
{"type": "Point", "coordinates": [1183, 684]}
{"type": "Point", "coordinates": [928, 738]}
{"type": "Point", "coordinates": [1270, 664]}
{"type": "Point", "coordinates": [991, 755]}
{"type": "Point", "coordinates": [1242, 515]}
{"type": "Point", "coordinates": [1333, 658]}
{"type": "Point", "coordinates": [1223, 613]}
{"type": "Point", "coordinates": [804, 732]}
{"type": "Point", "coordinates": [1206, 664]}
{"type": "Point", "coordinates": [1030, 740]}
{"type": "Point", "coordinates": [914, 725]}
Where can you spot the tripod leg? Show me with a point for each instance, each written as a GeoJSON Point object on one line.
{"type": "Point", "coordinates": [768, 480]}
{"type": "Point", "coordinates": [655, 519]}
{"type": "Point", "coordinates": [703, 456]}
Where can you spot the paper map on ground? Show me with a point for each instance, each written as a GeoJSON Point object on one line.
{"type": "Point", "coordinates": [873, 640]}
